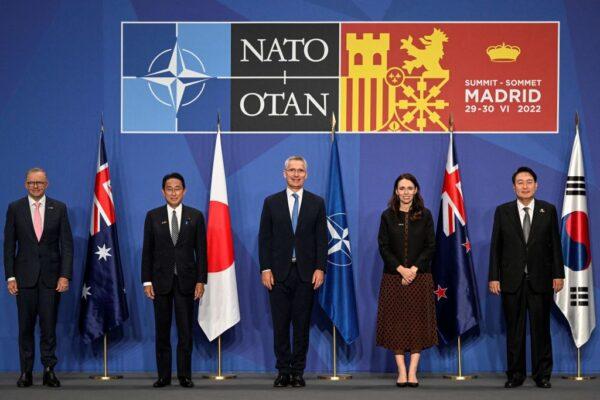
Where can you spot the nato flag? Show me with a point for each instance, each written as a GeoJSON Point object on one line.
{"type": "Point", "coordinates": [337, 294]}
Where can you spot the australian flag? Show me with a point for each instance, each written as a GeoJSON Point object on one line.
{"type": "Point", "coordinates": [103, 300]}
{"type": "Point", "coordinates": [457, 303]}
{"type": "Point", "coordinates": [337, 294]}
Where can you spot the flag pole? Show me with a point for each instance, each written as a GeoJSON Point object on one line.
{"type": "Point", "coordinates": [460, 376]}
{"type": "Point", "coordinates": [106, 376]}
{"type": "Point", "coordinates": [579, 377]}
{"type": "Point", "coordinates": [219, 375]}
{"type": "Point", "coordinates": [334, 376]}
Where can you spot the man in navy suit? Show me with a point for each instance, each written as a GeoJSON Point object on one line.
{"type": "Point", "coordinates": [174, 272]}
{"type": "Point", "coordinates": [293, 255]}
{"type": "Point", "coordinates": [38, 262]}
{"type": "Point", "coordinates": [526, 267]}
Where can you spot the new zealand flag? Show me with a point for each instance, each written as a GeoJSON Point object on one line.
{"type": "Point", "coordinates": [103, 300]}
{"type": "Point", "coordinates": [457, 303]}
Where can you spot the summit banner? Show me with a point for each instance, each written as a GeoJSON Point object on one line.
{"type": "Point", "coordinates": [288, 77]}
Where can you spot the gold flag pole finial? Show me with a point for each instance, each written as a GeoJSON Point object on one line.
{"type": "Point", "coordinates": [451, 123]}
{"type": "Point", "coordinates": [333, 123]}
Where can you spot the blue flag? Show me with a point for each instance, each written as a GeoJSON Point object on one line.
{"type": "Point", "coordinates": [337, 294]}
{"type": "Point", "coordinates": [103, 300]}
{"type": "Point", "coordinates": [457, 302]}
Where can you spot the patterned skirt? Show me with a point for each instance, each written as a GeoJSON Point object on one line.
{"type": "Point", "coordinates": [406, 314]}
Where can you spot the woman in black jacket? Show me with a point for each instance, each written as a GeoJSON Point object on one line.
{"type": "Point", "coordinates": [406, 310]}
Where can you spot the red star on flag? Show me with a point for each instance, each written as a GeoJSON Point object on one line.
{"type": "Point", "coordinates": [467, 245]}
{"type": "Point", "coordinates": [440, 292]}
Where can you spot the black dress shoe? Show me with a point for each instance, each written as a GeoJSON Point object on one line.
{"type": "Point", "coordinates": [282, 380]}
{"type": "Point", "coordinates": [50, 379]}
{"type": "Point", "coordinates": [297, 381]}
{"type": "Point", "coordinates": [412, 384]}
{"type": "Point", "coordinates": [401, 384]}
{"type": "Point", "coordinates": [513, 383]}
{"type": "Point", "coordinates": [543, 383]}
{"type": "Point", "coordinates": [186, 382]}
{"type": "Point", "coordinates": [25, 380]}
{"type": "Point", "coordinates": [161, 382]}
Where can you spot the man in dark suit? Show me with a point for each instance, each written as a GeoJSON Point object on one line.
{"type": "Point", "coordinates": [526, 266]}
{"type": "Point", "coordinates": [38, 262]}
{"type": "Point", "coordinates": [293, 255]}
{"type": "Point", "coordinates": [174, 271]}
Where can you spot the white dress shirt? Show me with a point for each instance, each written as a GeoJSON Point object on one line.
{"type": "Point", "coordinates": [521, 206]}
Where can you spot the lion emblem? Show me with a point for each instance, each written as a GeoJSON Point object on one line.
{"type": "Point", "coordinates": [428, 57]}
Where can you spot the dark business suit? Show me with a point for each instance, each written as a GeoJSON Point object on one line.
{"type": "Point", "coordinates": [37, 267]}
{"type": "Point", "coordinates": [292, 295]}
{"type": "Point", "coordinates": [160, 257]}
{"type": "Point", "coordinates": [531, 292]}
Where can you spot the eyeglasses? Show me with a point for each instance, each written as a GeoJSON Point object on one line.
{"type": "Point", "coordinates": [296, 171]}
{"type": "Point", "coordinates": [173, 189]}
{"type": "Point", "coordinates": [35, 183]}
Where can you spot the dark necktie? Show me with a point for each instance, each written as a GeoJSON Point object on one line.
{"type": "Point", "coordinates": [526, 229]}
{"type": "Point", "coordinates": [174, 234]}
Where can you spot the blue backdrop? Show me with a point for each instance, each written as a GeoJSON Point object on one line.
{"type": "Point", "coordinates": [60, 68]}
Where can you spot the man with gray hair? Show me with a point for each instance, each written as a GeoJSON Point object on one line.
{"type": "Point", "coordinates": [293, 255]}
{"type": "Point", "coordinates": [38, 262]}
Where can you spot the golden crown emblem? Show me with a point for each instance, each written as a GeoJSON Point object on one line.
{"type": "Point", "coordinates": [503, 53]}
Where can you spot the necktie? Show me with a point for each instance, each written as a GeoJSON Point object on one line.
{"type": "Point", "coordinates": [294, 219]}
{"type": "Point", "coordinates": [526, 229]}
{"type": "Point", "coordinates": [174, 228]}
{"type": "Point", "coordinates": [37, 221]}
{"type": "Point", "coordinates": [526, 224]}
{"type": "Point", "coordinates": [174, 233]}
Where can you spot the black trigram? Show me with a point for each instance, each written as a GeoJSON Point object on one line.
{"type": "Point", "coordinates": [579, 296]}
{"type": "Point", "coordinates": [575, 186]}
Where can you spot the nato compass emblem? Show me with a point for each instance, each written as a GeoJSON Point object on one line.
{"type": "Point", "coordinates": [182, 81]}
{"type": "Point", "coordinates": [339, 253]}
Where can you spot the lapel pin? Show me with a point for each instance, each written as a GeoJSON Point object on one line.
{"type": "Point", "coordinates": [50, 208]}
{"type": "Point", "coordinates": [163, 222]}
{"type": "Point", "coordinates": [542, 210]}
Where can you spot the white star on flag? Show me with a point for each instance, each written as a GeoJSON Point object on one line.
{"type": "Point", "coordinates": [85, 291]}
{"type": "Point", "coordinates": [338, 240]}
{"type": "Point", "coordinates": [103, 252]}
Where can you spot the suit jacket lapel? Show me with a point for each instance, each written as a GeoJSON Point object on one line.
{"type": "Point", "coordinates": [26, 208]}
{"type": "Point", "coordinates": [283, 203]}
{"type": "Point", "coordinates": [165, 226]}
{"type": "Point", "coordinates": [516, 218]}
{"type": "Point", "coordinates": [183, 223]}
{"type": "Point", "coordinates": [535, 220]}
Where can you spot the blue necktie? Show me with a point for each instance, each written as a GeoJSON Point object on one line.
{"type": "Point", "coordinates": [294, 219]}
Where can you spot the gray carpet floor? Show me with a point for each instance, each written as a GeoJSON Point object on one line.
{"type": "Point", "coordinates": [78, 386]}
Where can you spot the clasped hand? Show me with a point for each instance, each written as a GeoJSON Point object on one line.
{"type": "Point", "coordinates": [408, 274]}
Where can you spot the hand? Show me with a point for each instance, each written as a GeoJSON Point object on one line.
{"type": "Point", "coordinates": [267, 279]}
{"type": "Point", "coordinates": [405, 282]}
{"type": "Point", "coordinates": [199, 291]}
{"type": "Point", "coordinates": [62, 285]}
{"type": "Point", "coordinates": [12, 287]}
{"type": "Point", "coordinates": [558, 284]}
{"type": "Point", "coordinates": [494, 287]}
{"type": "Point", "coordinates": [317, 279]}
{"type": "Point", "coordinates": [149, 292]}
{"type": "Point", "coordinates": [406, 273]}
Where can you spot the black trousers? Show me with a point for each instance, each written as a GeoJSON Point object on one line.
{"type": "Point", "coordinates": [184, 316]}
{"type": "Point", "coordinates": [38, 301]}
{"type": "Point", "coordinates": [291, 303]}
{"type": "Point", "coordinates": [516, 306]}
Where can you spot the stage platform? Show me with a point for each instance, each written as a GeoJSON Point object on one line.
{"type": "Point", "coordinates": [78, 386]}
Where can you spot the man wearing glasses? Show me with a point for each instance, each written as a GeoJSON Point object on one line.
{"type": "Point", "coordinates": [38, 262]}
{"type": "Point", "coordinates": [174, 272]}
{"type": "Point", "coordinates": [293, 255]}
